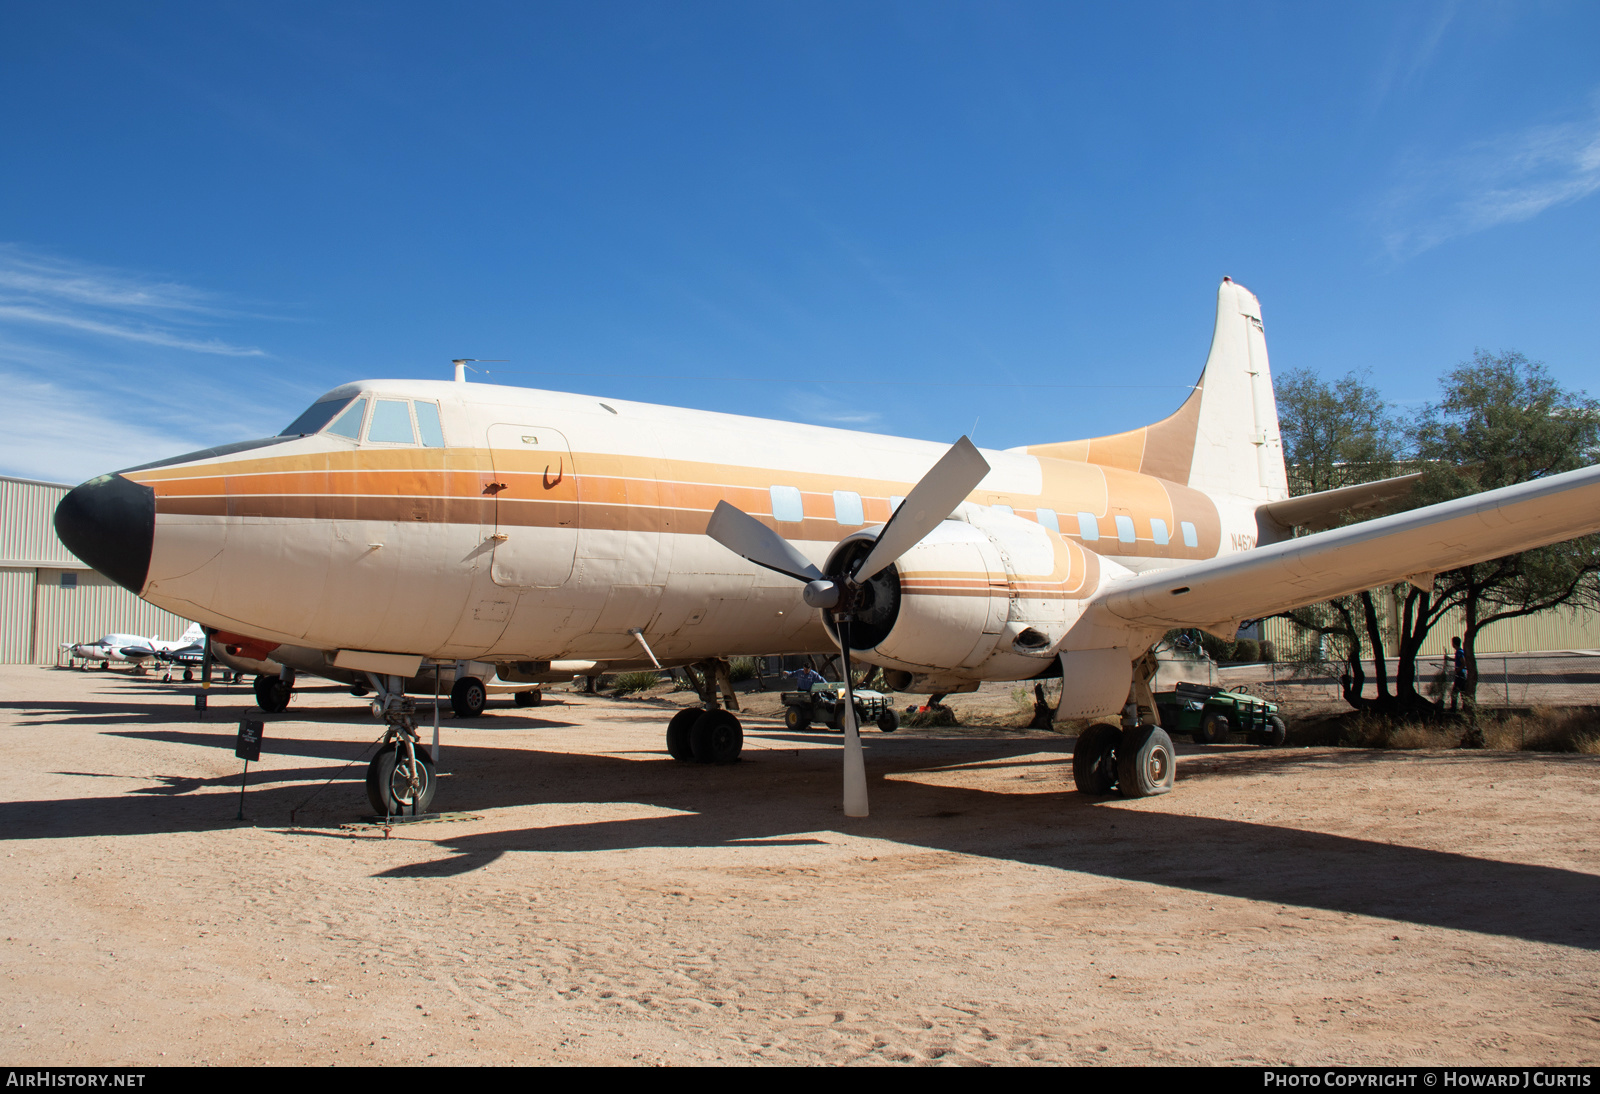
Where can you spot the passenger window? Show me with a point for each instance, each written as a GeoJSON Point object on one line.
{"type": "Point", "coordinates": [1006, 509]}
{"type": "Point", "coordinates": [1190, 539]}
{"type": "Point", "coordinates": [895, 502]}
{"type": "Point", "coordinates": [847, 508]}
{"type": "Point", "coordinates": [391, 423]}
{"type": "Point", "coordinates": [349, 423]}
{"type": "Point", "coordinates": [1048, 518]}
{"type": "Point", "coordinates": [1125, 529]}
{"type": "Point", "coordinates": [787, 504]}
{"type": "Point", "coordinates": [1088, 526]}
{"type": "Point", "coordinates": [428, 425]}
{"type": "Point", "coordinates": [1158, 531]}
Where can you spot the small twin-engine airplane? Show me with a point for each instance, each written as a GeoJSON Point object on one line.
{"type": "Point", "coordinates": [130, 648]}
{"type": "Point", "coordinates": [399, 524]}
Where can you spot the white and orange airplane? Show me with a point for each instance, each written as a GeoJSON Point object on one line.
{"type": "Point", "coordinates": [405, 526]}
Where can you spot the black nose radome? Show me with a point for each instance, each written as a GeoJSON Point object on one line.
{"type": "Point", "coordinates": [110, 523]}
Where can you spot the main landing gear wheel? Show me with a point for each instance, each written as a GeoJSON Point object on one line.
{"type": "Point", "coordinates": [395, 788]}
{"type": "Point", "coordinates": [1094, 760]}
{"type": "Point", "coordinates": [272, 694]}
{"type": "Point", "coordinates": [468, 698]}
{"type": "Point", "coordinates": [678, 746]}
{"type": "Point", "coordinates": [795, 719]}
{"type": "Point", "coordinates": [529, 698]}
{"type": "Point", "coordinates": [716, 738]}
{"type": "Point", "coordinates": [889, 721]}
{"type": "Point", "coordinates": [1146, 763]}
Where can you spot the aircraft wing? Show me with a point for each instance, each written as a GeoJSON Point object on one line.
{"type": "Point", "coordinates": [1218, 593]}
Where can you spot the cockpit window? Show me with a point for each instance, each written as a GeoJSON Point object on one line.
{"type": "Point", "coordinates": [315, 417]}
{"type": "Point", "coordinates": [349, 423]}
{"type": "Point", "coordinates": [391, 423]}
{"type": "Point", "coordinates": [428, 425]}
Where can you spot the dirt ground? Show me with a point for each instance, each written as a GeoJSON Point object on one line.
{"type": "Point", "coordinates": [594, 902]}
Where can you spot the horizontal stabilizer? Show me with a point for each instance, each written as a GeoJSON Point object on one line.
{"type": "Point", "coordinates": [1323, 510]}
{"type": "Point", "coordinates": [1361, 556]}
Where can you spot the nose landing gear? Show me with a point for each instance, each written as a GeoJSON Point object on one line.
{"type": "Point", "coordinates": [400, 778]}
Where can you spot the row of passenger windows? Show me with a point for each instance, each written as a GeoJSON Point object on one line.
{"type": "Point", "coordinates": [788, 506]}
{"type": "Point", "coordinates": [392, 421]}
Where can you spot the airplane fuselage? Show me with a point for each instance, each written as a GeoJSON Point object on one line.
{"type": "Point", "coordinates": [532, 525]}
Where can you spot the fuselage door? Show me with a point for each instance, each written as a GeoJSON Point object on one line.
{"type": "Point", "coordinates": [536, 506]}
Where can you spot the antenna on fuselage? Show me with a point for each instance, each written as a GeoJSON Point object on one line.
{"type": "Point", "coordinates": [462, 362]}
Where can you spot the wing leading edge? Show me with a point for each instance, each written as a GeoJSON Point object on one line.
{"type": "Point", "coordinates": [1218, 593]}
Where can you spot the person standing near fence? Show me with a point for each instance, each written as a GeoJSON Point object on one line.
{"type": "Point", "coordinates": [1458, 674]}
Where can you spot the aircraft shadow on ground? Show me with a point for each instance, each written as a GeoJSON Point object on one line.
{"type": "Point", "coordinates": [788, 796]}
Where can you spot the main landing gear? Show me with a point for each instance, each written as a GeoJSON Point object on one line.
{"type": "Point", "coordinates": [1137, 762]}
{"type": "Point", "coordinates": [1136, 759]}
{"type": "Point", "coordinates": [274, 692]}
{"type": "Point", "coordinates": [707, 734]}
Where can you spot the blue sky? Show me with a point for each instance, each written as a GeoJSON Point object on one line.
{"type": "Point", "coordinates": [902, 217]}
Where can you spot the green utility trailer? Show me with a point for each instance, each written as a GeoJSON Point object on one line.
{"type": "Point", "coordinates": [1210, 714]}
{"type": "Point", "coordinates": [824, 703]}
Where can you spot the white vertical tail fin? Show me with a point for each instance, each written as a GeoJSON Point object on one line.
{"type": "Point", "coordinates": [1224, 439]}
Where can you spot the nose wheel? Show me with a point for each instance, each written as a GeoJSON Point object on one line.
{"type": "Point", "coordinates": [401, 779]}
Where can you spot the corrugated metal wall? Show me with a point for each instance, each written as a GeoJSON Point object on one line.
{"type": "Point", "coordinates": [1559, 629]}
{"type": "Point", "coordinates": [27, 524]}
{"type": "Point", "coordinates": [47, 596]}
{"type": "Point", "coordinates": [16, 616]}
{"type": "Point", "coordinates": [95, 607]}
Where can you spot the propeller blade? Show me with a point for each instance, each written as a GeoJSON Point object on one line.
{"type": "Point", "coordinates": [945, 486]}
{"type": "Point", "coordinates": [748, 538]}
{"type": "Point", "coordinates": [855, 767]}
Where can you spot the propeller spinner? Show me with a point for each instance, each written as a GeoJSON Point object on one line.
{"type": "Point", "coordinates": [840, 595]}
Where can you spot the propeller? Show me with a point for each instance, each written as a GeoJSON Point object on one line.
{"type": "Point", "coordinates": [839, 595]}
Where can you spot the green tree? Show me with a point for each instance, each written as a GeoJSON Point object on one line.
{"type": "Point", "coordinates": [1503, 420]}
{"type": "Point", "coordinates": [1335, 435]}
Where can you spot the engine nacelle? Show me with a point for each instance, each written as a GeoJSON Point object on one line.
{"type": "Point", "coordinates": [985, 590]}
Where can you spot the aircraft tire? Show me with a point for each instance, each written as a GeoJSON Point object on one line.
{"type": "Point", "coordinates": [1094, 762]}
{"type": "Point", "coordinates": [531, 698]}
{"type": "Point", "coordinates": [468, 697]}
{"type": "Point", "coordinates": [1146, 762]}
{"type": "Point", "coordinates": [889, 721]}
{"type": "Point", "coordinates": [1277, 733]}
{"type": "Point", "coordinates": [188, 676]}
{"type": "Point", "coordinates": [387, 792]}
{"type": "Point", "coordinates": [678, 746]}
{"type": "Point", "coordinates": [716, 738]}
{"type": "Point", "coordinates": [796, 719]}
{"type": "Point", "coordinates": [1213, 729]}
{"type": "Point", "coordinates": [272, 694]}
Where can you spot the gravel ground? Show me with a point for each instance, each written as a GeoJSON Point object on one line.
{"type": "Point", "coordinates": [593, 902]}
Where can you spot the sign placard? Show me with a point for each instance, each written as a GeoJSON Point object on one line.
{"type": "Point", "coordinates": [249, 743]}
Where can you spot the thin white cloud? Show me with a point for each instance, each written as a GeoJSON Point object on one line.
{"type": "Point", "coordinates": [151, 336]}
{"type": "Point", "coordinates": [1503, 181]}
{"type": "Point", "coordinates": [47, 291]}
{"type": "Point", "coordinates": [1417, 34]}
{"type": "Point", "coordinates": [834, 410]}
{"type": "Point", "coordinates": [65, 435]}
